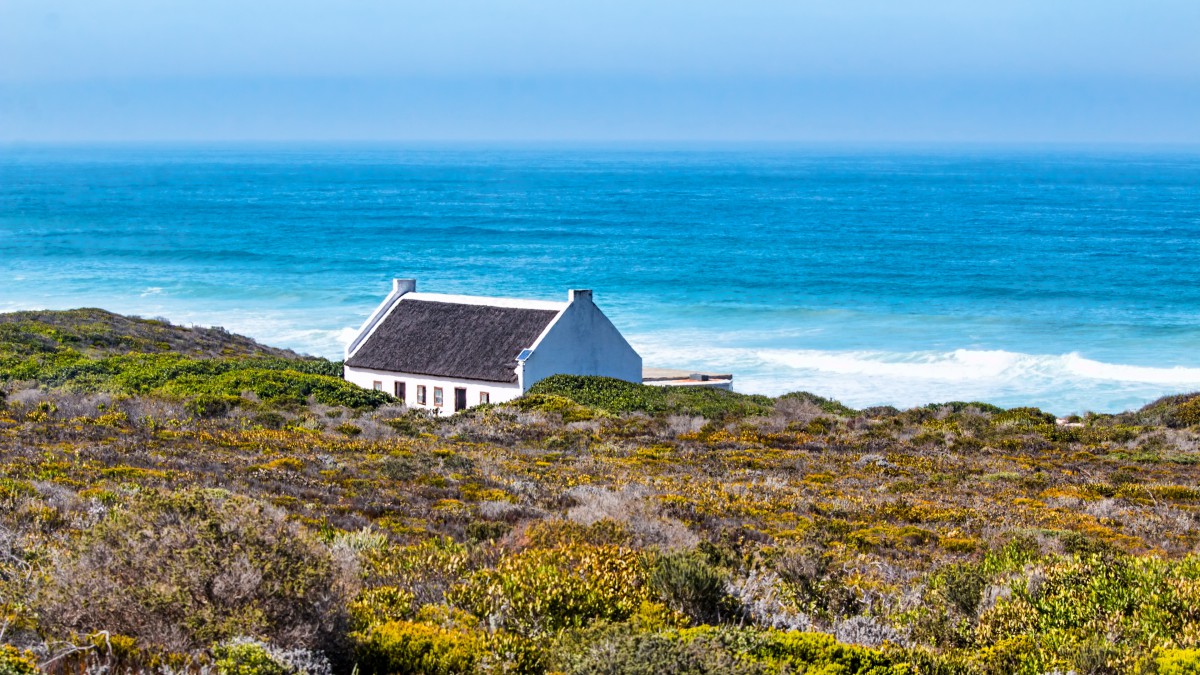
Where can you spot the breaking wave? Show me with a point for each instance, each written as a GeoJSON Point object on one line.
{"type": "Point", "coordinates": [1062, 383]}
{"type": "Point", "coordinates": [966, 364]}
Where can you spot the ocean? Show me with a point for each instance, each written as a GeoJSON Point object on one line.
{"type": "Point", "coordinates": [1061, 278]}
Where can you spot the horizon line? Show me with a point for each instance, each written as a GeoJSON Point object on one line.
{"type": "Point", "coordinates": [631, 141]}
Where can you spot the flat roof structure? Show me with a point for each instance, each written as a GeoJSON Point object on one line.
{"type": "Point", "coordinates": [670, 377]}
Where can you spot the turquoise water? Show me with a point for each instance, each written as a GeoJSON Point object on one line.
{"type": "Point", "coordinates": [1064, 279]}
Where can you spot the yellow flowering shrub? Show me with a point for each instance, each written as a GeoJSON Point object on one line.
{"type": "Point", "coordinates": [540, 590]}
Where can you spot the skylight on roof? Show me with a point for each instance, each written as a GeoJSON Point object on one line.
{"type": "Point", "coordinates": [525, 353]}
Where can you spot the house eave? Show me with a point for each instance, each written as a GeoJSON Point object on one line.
{"type": "Point", "coordinates": [398, 373]}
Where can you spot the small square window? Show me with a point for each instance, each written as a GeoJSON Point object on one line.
{"type": "Point", "coordinates": [421, 394]}
{"type": "Point", "coordinates": [437, 396]}
{"type": "Point", "coordinates": [378, 385]}
{"type": "Point", "coordinates": [484, 397]}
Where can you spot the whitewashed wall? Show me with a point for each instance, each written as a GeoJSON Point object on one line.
{"type": "Point", "coordinates": [366, 378]}
{"type": "Point", "coordinates": [581, 342]}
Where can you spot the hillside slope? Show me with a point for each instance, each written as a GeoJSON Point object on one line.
{"type": "Point", "coordinates": [233, 508]}
{"type": "Point", "coordinates": [97, 332]}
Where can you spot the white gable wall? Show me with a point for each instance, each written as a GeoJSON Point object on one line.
{"type": "Point", "coordinates": [581, 341]}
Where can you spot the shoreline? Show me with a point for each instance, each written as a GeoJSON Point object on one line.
{"type": "Point", "coordinates": [861, 397]}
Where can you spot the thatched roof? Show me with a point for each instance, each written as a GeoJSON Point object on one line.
{"type": "Point", "coordinates": [447, 339]}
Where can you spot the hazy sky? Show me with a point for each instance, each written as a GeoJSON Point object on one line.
{"type": "Point", "coordinates": [798, 70]}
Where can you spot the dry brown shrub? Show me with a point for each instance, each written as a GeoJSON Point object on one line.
{"type": "Point", "coordinates": [27, 394]}
{"type": "Point", "coordinates": [181, 571]}
{"type": "Point", "coordinates": [145, 409]}
{"type": "Point", "coordinates": [684, 424]}
{"type": "Point", "coordinates": [796, 410]}
{"type": "Point", "coordinates": [632, 507]}
{"type": "Point", "coordinates": [71, 404]}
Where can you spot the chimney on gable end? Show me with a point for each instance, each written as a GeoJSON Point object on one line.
{"type": "Point", "coordinates": [402, 286]}
{"type": "Point", "coordinates": [580, 294]}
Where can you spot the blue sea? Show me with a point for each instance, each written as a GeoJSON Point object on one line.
{"type": "Point", "coordinates": [1061, 278]}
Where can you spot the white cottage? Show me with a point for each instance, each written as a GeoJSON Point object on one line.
{"type": "Point", "coordinates": [450, 352]}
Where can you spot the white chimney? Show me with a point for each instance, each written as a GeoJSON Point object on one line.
{"type": "Point", "coordinates": [581, 294]}
{"type": "Point", "coordinates": [402, 286]}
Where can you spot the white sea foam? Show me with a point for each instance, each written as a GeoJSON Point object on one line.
{"type": "Point", "coordinates": [966, 364]}
{"type": "Point", "coordinates": [1060, 382]}
{"type": "Point", "coordinates": [279, 330]}
{"type": "Point", "coordinates": [1098, 370]}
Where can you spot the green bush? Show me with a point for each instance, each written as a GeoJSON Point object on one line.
{"type": "Point", "coordinates": [1023, 418]}
{"type": "Point", "coordinates": [618, 396]}
{"type": "Point", "coordinates": [962, 586]}
{"type": "Point", "coordinates": [425, 569]}
{"type": "Point", "coordinates": [816, 583]}
{"type": "Point", "coordinates": [794, 651]}
{"type": "Point", "coordinates": [428, 646]}
{"type": "Point", "coordinates": [415, 422]}
{"type": "Point", "coordinates": [624, 652]}
{"type": "Point", "coordinates": [410, 648]}
{"type": "Point", "coordinates": [1018, 655]}
{"type": "Point", "coordinates": [347, 429]}
{"type": "Point", "coordinates": [1188, 413]}
{"type": "Point", "coordinates": [16, 662]}
{"type": "Point", "coordinates": [949, 603]}
{"type": "Point", "coordinates": [553, 533]}
{"type": "Point", "coordinates": [1178, 662]}
{"type": "Point", "coordinates": [704, 650]}
{"type": "Point", "coordinates": [483, 531]}
{"type": "Point", "coordinates": [212, 405]}
{"type": "Point", "coordinates": [569, 410]}
{"type": "Point", "coordinates": [1078, 543]}
{"type": "Point", "coordinates": [1063, 604]}
{"type": "Point", "coordinates": [246, 658]}
{"type": "Point", "coordinates": [539, 590]}
{"type": "Point", "coordinates": [380, 605]}
{"type": "Point", "coordinates": [1180, 410]}
{"type": "Point", "coordinates": [963, 406]}
{"type": "Point", "coordinates": [278, 387]}
{"type": "Point", "coordinates": [686, 583]}
{"type": "Point", "coordinates": [270, 420]}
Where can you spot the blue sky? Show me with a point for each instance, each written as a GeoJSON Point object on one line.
{"type": "Point", "coordinates": [803, 70]}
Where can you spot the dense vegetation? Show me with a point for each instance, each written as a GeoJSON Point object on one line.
{"type": "Point", "coordinates": [184, 499]}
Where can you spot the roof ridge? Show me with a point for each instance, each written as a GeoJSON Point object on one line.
{"type": "Point", "coordinates": [486, 300]}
